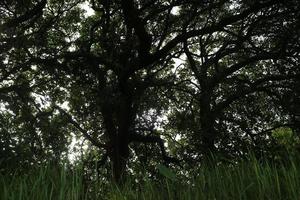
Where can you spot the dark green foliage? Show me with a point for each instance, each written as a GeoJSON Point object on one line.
{"type": "Point", "coordinates": [136, 84]}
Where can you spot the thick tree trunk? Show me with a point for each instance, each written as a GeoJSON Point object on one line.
{"type": "Point", "coordinates": [118, 120]}
{"type": "Point", "coordinates": [208, 134]}
{"type": "Point", "coordinates": [119, 157]}
{"type": "Point", "coordinates": [207, 121]}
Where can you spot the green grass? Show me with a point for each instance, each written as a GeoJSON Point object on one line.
{"type": "Point", "coordinates": [246, 180]}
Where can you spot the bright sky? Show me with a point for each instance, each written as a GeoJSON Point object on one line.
{"type": "Point", "coordinates": [87, 8]}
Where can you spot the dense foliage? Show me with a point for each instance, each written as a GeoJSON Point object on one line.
{"type": "Point", "coordinates": [122, 86]}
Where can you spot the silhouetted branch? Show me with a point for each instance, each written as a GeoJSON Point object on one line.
{"type": "Point", "coordinates": [37, 10]}
{"type": "Point", "coordinates": [134, 21]}
{"type": "Point", "coordinates": [157, 140]}
{"type": "Point", "coordinates": [84, 132]}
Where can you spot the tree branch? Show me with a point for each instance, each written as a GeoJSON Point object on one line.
{"type": "Point", "coordinates": [134, 21]}
{"type": "Point", "coordinates": [36, 10]}
{"type": "Point", "coordinates": [241, 93]}
{"type": "Point", "coordinates": [84, 132]}
{"type": "Point", "coordinates": [206, 30]}
{"type": "Point", "coordinates": [154, 139]}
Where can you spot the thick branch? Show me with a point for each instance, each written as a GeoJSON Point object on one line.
{"type": "Point", "coordinates": [276, 127]}
{"type": "Point", "coordinates": [84, 132]}
{"type": "Point", "coordinates": [154, 139]}
{"type": "Point", "coordinates": [219, 77]}
{"type": "Point", "coordinates": [12, 88]}
{"type": "Point", "coordinates": [192, 62]}
{"type": "Point", "coordinates": [241, 93]}
{"type": "Point", "coordinates": [133, 21]}
{"type": "Point", "coordinates": [37, 10]}
{"type": "Point", "coordinates": [206, 30]}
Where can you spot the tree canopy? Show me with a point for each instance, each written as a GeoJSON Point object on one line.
{"type": "Point", "coordinates": [147, 81]}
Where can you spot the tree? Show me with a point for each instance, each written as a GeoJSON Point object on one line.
{"type": "Point", "coordinates": [242, 71]}
{"type": "Point", "coordinates": [29, 131]}
{"type": "Point", "coordinates": [109, 66]}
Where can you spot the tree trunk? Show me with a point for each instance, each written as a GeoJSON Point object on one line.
{"type": "Point", "coordinates": [118, 120]}
{"type": "Point", "coordinates": [119, 157]}
{"type": "Point", "coordinates": [208, 134]}
{"type": "Point", "coordinates": [207, 121]}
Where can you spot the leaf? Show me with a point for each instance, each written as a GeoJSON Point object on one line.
{"type": "Point", "coordinates": [166, 172]}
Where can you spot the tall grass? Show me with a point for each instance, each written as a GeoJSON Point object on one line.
{"type": "Point", "coordinates": [43, 183]}
{"type": "Point", "coordinates": [246, 180]}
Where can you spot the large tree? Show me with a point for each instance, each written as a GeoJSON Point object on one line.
{"type": "Point", "coordinates": [30, 133]}
{"type": "Point", "coordinates": [115, 67]}
{"type": "Point", "coordinates": [243, 70]}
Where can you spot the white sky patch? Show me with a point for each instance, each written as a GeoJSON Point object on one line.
{"type": "Point", "coordinates": [179, 62]}
{"type": "Point", "coordinates": [33, 67]}
{"type": "Point", "coordinates": [3, 106]}
{"type": "Point", "coordinates": [65, 106]}
{"type": "Point", "coordinates": [175, 10]}
{"type": "Point", "coordinates": [78, 147]}
{"type": "Point", "coordinates": [41, 100]}
{"type": "Point", "coordinates": [73, 153]}
{"type": "Point", "coordinates": [5, 60]}
{"type": "Point", "coordinates": [232, 6]}
{"type": "Point", "coordinates": [88, 9]}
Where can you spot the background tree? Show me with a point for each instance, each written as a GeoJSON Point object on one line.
{"type": "Point", "coordinates": [242, 72]}
{"type": "Point", "coordinates": [30, 132]}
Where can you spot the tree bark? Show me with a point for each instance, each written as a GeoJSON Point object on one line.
{"type": "Point", "coordinates": [118, 120]}
{"type": "Point", "coordinates": [207, 121]}
{"type": "Point", "coordinates": [119, 157]}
